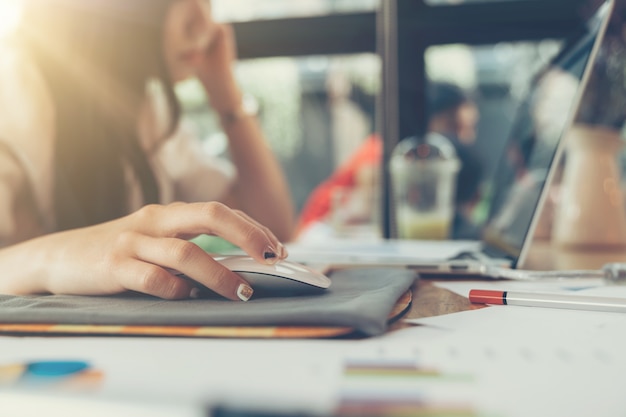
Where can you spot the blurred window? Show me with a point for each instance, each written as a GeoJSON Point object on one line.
{"type": "Point", "coordinates": [245, 10]}
{"type": "Point", "coordinates": [315, 111]}
{"type": "Point", "coordinates": [498, 75]}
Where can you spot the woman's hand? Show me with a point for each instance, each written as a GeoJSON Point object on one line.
{"type": "Point", "coordinates": [215, 70]}
{"type": "Point", "coordinates": [138, 253]}
{"type": "Point", "coordinates": [221, 53]}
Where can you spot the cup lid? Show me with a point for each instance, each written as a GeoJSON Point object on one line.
{"type": "Point", "coordinates": [432, 147]}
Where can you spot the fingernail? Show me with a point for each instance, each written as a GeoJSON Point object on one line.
{"type": "Point", "coordinates": [270, 256]}
{"type": "Point", "coordinates": [195, 293]}
{"type": "Point", "coordinates": [283, 251]}
{"type": "Point", "coordinates": [244, 292]}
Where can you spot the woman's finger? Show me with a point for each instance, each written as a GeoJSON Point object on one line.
{"type": "Point", "coordinates": [282, 251]}
{"type": "Point", "coordinates": [207, 218]}
{"type": "Point", "coordinates": [191, 260]}
{"type": "Point", "coordinates": [153, 280]}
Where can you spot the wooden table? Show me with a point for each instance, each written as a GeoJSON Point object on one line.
{"type": "Point", "coordinates": [544, 256]}
{"type": "Point", "coordinates": [430, 300]}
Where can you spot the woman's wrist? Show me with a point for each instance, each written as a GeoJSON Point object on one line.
{"type": "Point", "coordinates": [223, 92]}
{"type": "Point", "coordinates": [245, 108]}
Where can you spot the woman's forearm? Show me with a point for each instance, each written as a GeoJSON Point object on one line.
{"type": "Point", "coordinates": [261, 189]}
{"type": "Point", "coordinates": [24, 267]}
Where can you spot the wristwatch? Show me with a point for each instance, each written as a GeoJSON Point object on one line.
{"type": "Point", "coordinates": [249, 107]}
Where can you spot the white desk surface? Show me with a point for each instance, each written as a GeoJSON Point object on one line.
{"type": "Point", "coordinates": [498, 361]}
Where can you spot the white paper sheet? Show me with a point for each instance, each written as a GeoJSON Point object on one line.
{"type": "Point", "coordinates": [27, 404]}
{"type": "Point", "coordinates": [528, 361]}
{"type": "Point", "coordinates": [289, 374]}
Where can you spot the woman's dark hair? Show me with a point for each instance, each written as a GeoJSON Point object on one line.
{"type": "Point", "coordinates": [97, 57]}
{"type": "Point", "coordinates": [443, 96]}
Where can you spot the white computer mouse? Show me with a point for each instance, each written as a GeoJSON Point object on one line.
{"type": "Point", "coordinates": [285, 277]}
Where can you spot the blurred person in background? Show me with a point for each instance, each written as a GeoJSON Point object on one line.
{"type": "Point", "coordinates": [96, 164]}
{"type": "Point", "coordinates": [453, 113]}
{"type": "Point", "coordinates": [349, 193]}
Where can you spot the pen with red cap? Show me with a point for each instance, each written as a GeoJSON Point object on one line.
{"type": "Point", "coordinates": [534, 299]}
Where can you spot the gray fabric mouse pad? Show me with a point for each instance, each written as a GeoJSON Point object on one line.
{"type": "Point", "coordinates": [358, 298]}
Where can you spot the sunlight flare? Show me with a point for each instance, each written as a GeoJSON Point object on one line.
{"type": "Point", "coordinates": [10, 14]}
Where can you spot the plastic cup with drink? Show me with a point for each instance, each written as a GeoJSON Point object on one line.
{"type": "Point", "coordinates": [424, 173]}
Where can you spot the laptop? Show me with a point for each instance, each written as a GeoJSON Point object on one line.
{"type": "Point", "coordinates": [528, 162]}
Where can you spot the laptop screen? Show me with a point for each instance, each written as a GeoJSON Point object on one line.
{"type": "Point", "coordinates": [536, 137]}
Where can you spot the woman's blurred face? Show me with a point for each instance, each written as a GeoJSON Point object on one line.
{"type": "Point", "coordinates": [466, 122]}
{"type": "Point", "coordinates": [188, 32]}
